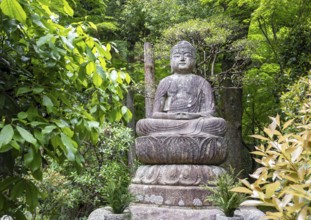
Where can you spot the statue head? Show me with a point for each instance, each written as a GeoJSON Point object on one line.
{"type": "Point", "coordinates": [182, 57]}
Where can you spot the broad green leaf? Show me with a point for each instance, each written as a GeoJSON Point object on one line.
{"type": "Point", "coordinates": [23, 90]}
{"type": "Point", "coordinates": [92, 25]}
{"type": "Point", "coordinates": [32, 194]}
{"type": "Point", "coordinates": [14, 10]}
{"type": "Point", "coordinates": [6, 183]}
{"type": "Point", "coordinates": [90, 67]}
{"type": "Point", "coordinates": [70, 148]}
{"type": "Point", "coordinates": [46, 101]}
{"type": "Point", "coordinates": [67, 8]}
{"type": "Point", "coordinates": [22, 115]}
{"type": "Point", "coordinates": [68, 132]}
{"type": "Point", "coordinates": [6, 135]}
{"type": "Point", "coordinates": [44, 40]}
{"type": "Point", "coordinates": [127, 78]}
{"type": "Point", "coordinates": [48, 129]}
{"type": "Point", "coordinates": [101, 72]}
{"type": "Point", "coordinates": [26, 135]}
{"type": "Point", "coordinates": [29, 157]}
{"type": "Point", "coordinates": [94, 136]}
{"type": "Point", "coordinates": [97, 80]}
{"type": "Point", "coordinates": [67, 42]}
{"type": "Point", "coordinates": [18, 189]}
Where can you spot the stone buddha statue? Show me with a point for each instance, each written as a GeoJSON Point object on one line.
{"type": "Point", "coordinates": [184, 103]}
{"type": "Point", "coordinates": [180, 146]}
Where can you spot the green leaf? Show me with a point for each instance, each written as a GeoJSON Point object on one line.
{"type": "Point", "coordinates": [22, 115]}
{"type": "Point", "coordinates": [23, 90]}
{"type": "Point", "coordinates": [43, 40]}
{"type": "Point", "coordinates": [48, 129]}
{"type": "Point", "coordinates": [6, 183]}
{"type": "Point", "coordinates": [13, 9]}
{"type": "Point", "coordinates": [97, 80]}
{"type": "Point", "coordinates": [92, 25]}
{"type": "Point", "coordinates": [31, 195]}
{"type": "Point", "coordinates": [90, 67]}
{"type": "Point", "coordinates": [127, 78]}
{"type": "Point", "coordinates": [67, 8]}
{"type": "Point", "coordinates": [18, 189]}
{"type": "Point", "coordinates": [70, 148]}
{"type": "Point", "coordinates": [6, 135]}
{"type": "Point", "coordinates": [46, 101]}
{"type": "Point", "coordinates": [29, 157]}
{"type": "Point", "coordinates": [26, 135]}
{"type": "Point", "coordinates": [68, 132]}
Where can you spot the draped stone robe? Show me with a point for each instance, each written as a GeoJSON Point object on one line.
{"type": "Point", "coordinates": [183, 93]}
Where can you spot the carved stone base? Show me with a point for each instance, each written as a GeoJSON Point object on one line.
{"type": "Point", "coordinates": [181, 175]}
{"type": "Point", "coordinates": [183, 196]}
{"type": "Point", "coordinates": [180, 149]}
{"type": "Point", "coordinates": [154, 212]}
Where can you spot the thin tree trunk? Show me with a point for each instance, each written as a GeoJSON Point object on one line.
{"type": "Point", "coordinates": [149, 79]}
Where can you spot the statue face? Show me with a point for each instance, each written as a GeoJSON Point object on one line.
{"type": "Point", "coordinates": [182, 60]}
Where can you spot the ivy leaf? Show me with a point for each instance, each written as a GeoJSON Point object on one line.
{"type": "Point", "coordinates": [26, 135]}
{"type": "Point", "coordinates": [13, 9]}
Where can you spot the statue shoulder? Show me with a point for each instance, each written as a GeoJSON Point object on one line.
{"type": "Point", "coordinates": [166, 80]}
{"type": "Point", "coordinates": [200, 79]}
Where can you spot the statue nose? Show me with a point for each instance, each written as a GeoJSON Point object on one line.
{"type": "Point", "coordinates": [182, 57]}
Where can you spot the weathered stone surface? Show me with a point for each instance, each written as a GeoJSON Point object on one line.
{"type": "Point", "coordinates": [184, 102]}
{"type": "Point", "coordinates": [223, 217]}
{"type": "Point", "coordinates": [249, 213]}
{"type": "Point", "coordinates": [105, 213]}
{"type": "Point", "coordinates": [153, 212]}
{"type": "Point", "coordinates": [191, 196]}
{"type": "Point", "coordinates": [180, 149]}
{"type": "Point", "coordinates": [182, 175]}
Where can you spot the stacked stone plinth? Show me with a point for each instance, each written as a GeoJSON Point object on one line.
{"type": "Point", "coordinates": [174, 168]}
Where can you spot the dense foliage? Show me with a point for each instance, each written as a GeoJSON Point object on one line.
{"type": "Point", "coordinates": [57, 88]}
{"type": "Point", "coordinates": [283, 180]}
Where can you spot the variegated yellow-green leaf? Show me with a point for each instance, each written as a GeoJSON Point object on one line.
{"type": "Point", "coordinates": [13, 9]}
{"type": "Point", "coordinates": [271, 188]}
{"type": "Point", "coordinates": [241, 190]}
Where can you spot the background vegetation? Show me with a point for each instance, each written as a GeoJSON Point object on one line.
{"type": "Point", "coordinates": [69, 68]}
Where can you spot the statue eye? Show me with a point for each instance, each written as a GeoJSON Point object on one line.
{"type": "Point", "coordinates": [176, 55]}
{"type": "Point", "coordinates": [188, 55]}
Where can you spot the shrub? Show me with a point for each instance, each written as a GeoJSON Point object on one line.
{"type": "Point", "coordinates": [221, 195]}
{"type": "Point", "coordinates": [283, 181]}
